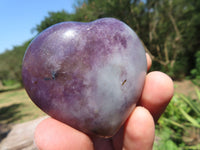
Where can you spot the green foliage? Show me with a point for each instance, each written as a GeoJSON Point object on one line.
{"type": "Point", "coordinates": [165, 143]}
{"type": "Point", "coordinates": [53, 18]}
{"type": "Point", "coordinates": [170, 36]}
{"type": "Point", "coordinates": [179, 127]}
{"type": "Point", "coordinates": [9, 82]}
{"type": "Point", "coordinates": [11, 63]}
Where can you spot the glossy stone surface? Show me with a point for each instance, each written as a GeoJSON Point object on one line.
{"type": "Point", "coordinates": [87, 75]}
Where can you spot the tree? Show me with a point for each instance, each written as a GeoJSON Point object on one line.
{"type": "Point", "coordinates": [169, 42]}
{"type": "Point", "coordinates": [11, 63]}
{"type": "Point", "coordinates": [53, 18]}
{"type": "Point", "coordinates": [164, 34]}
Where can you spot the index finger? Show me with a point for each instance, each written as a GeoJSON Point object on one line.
{"type": "Point", "coordinates": [157, 93]}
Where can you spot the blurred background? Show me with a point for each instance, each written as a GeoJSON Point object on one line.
{"type": "Point", "coordinates": [169, 29]}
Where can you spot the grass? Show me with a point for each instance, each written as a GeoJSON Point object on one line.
{"type": "Point", "coordinates": [16, 107]}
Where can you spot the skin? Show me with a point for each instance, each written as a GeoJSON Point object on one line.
{"type": "Point", "coordinates": [137, 133]}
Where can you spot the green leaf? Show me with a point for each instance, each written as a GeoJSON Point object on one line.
{"type": "Point", "coordinates": [174, 123]}
{"type": "Point", "coordinates": [170, 145]}
{"type": "Point", "coordinates": [198, 93]}
{"type": "Point", "coordinates": [190, 119]}
{"type": "Point", "coordinates": [191, 104]}
{"type": "Point", "coordinates": [193, 147]}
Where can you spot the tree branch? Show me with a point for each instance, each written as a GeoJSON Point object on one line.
{"type": "Point", "coordinates": [152, 56]}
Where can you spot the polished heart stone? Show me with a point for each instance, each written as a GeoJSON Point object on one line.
{"type": "Point", "coordinates": [87, 75]}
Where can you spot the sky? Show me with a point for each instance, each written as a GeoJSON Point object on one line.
{"type": "Point", "coordinates": [19, 17]}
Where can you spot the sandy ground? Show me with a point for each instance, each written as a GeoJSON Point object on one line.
{"type": "Point", "coordinates": [185, 87]}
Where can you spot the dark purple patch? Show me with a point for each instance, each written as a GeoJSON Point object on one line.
{"type": "Point", "coordinates": [118, 38]}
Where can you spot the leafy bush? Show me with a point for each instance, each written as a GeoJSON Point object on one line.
{"type": "Point", "coordinates": [11, 63]}
{"type": "Point", "coordinates": [179, 127]}
{"type": "Point", "coordinates": [9, 82]}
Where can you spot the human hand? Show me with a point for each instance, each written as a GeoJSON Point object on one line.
{"type": "Point", "coordinates": [137, 133]}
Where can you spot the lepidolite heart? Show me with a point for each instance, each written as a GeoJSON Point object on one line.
{"type": "Point", "coordinates": [87, 75]}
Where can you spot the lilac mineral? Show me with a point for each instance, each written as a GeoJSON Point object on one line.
{"type": "Point", "coordinates": [87, 75]}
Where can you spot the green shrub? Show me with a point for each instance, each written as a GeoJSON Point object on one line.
{"type": "Point", "coordinates": [9, 82]}
{"type": "Point", "coordinates": [179, 126]}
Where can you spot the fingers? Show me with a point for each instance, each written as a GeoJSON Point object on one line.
{"type": "Point", "coordinates": [51, 134]}
{"type": "Point", "coordinates": [157, 93]}
{"type": "Point", "coordinates": [139, 130]}
{"type": "Point", "coordinates": [149, 61]}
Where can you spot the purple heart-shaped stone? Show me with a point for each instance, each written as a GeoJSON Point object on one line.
{"type": "Point", "coordinates": [87, 75]}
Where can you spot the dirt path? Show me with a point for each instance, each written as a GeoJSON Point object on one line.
{"type": "Point", "coordinates": [185, 87]}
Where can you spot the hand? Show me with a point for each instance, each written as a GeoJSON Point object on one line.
{"type": "Point", "coordinates": [137, 133]}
